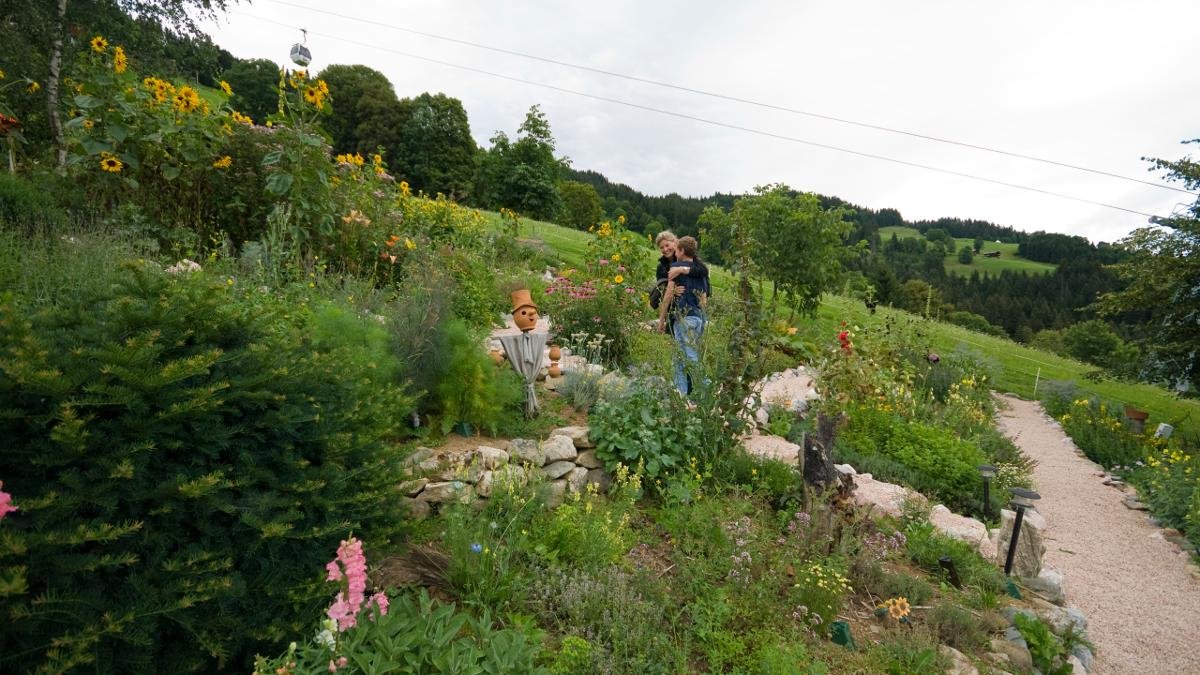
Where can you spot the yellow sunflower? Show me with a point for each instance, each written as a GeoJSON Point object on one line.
{"type": "Point", "coordinates": [240, 118]}
{"type": "Point", "coordinates": [226, 88]}
{"type": "Point", "coordinates": [313, 95]}
{"type": "Point", "coordinates": [88, 124]}
{"type": "Point", "coordinates": [33, 87]}
{"type": "Point", "coordinates": [1, 73]}
{"type": "Point", "coordinates": [186, 100]}
{"type": "Point", "coordinates": [223, 163]}
{"type": "Point", "coordinates": [898, 608]}
{"type": "Point", "coordinates": [99, 44]}
{"type": "Point", "coordinates": [110, 163]}
{"type": "Point", "coordinates": [120, 61]}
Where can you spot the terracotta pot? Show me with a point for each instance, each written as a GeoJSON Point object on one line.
{"type": "Point", "coordinates": [555, 353]}
{"type": "Point", "coordinates": [555, 371]}
{"type": "Point", "coordinates": [520, 298]}
{"type": "Point", "coordinates": [497, 357]}
{"type": "Point", "coordinates": [1135, 414]}
{"type": "Point", "coordinates": [526, 317]}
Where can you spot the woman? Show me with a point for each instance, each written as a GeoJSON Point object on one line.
{"type": "Point", "coordinates": [666, 241]}
{"type": "Point", "coordinates": [683, 315]}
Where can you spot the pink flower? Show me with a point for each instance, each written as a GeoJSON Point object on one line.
{"type": "Point", "coordinates": [603, 261]}
{"type": "Point", "coordinates": [549, 290]}
{"type": "Point", "coordinates": [630, 289]}
{"type": "Point", "coordinates": [380, 600]}
{"type": "Point", "coordinates": [348, 602]}
{"type": "Point", "coordinates": [6, 506]}
{"type": "Point", "coordinates": [335, 572]}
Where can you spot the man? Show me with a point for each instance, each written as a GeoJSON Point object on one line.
{"type": "Point", "coordinates": [688, 295]}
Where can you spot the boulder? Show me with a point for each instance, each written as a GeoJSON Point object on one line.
{"type": "Point", "coordinates": [958, 527]}
{"type": "Point", "coordinates": [1018, 654]}
{"type": "Point", "coordinates": [1076, 666]}
{"type": "Point", "coordinates": [1031, 545]}
{"type": "Point", "coordinates": [588, 460]}
{"type": "Point", "coordinates": [772, 447]}
{"type": "Point", "coordinates": [507, 476]}
{"type": "Point", "coordinates": [600, 478]}
{"type": "Point", "coordinates": [448, 492]}
{"type": "Point", "coordinates": [526, 451]}
{"type": "Point", "coordinates": [459, 466]}
{"type": "Point", "coordinates": [558, 469]}
{"type": "Point", "coordinates": [558, 449]}
{"type": "Point", "coordinates": [419, 455]}
{"type": "Point", "coordinates": [884, 497]}
{"type": "Point", "coordinates": [1085, 657]}
{"type": "Point", "coordinates": [490, 458]}
{"type": "Point", "coordinates": [417, 509]}
{"type": "Point", "coordinates": [959, 663]}
{"type": "Point", "coordinates": [1058, 618]}
{"type": "Point", "coordinates": [555, 492]}
{"type": "Point", "coordinates": [578, 436]}
{"type": "Point", "coordinates": [1049, 585]}
{"type": "Point", "coordinates": [411, 488]}
{"type": "Point", "coordinates": [483, 486]}
{"type": "Point", "coordinates": [845, 469]}
{"type": "Point", "coordinates": [577, 479]}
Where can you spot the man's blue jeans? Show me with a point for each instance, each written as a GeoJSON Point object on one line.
{"type": "Point", "coordinates": [688, 331]}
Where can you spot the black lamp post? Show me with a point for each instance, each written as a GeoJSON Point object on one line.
{"type": "Point", "coordinates": [987, 471]}
{"type": "Point", "coordinates": [1022, 499]}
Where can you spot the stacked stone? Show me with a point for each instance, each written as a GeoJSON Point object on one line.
{"type": "Point", "coordinates": [566, 461]}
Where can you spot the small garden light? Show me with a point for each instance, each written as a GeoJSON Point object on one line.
{"type": "Point", "coordinates": [947, 563]}
{"type": "Point", "coordinates": [1022, 499]}
{"type": "Point", "coordinates": [987, 471]}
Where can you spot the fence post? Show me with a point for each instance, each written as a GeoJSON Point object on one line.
{"type": "Point", "coordinates": [1036, 379]}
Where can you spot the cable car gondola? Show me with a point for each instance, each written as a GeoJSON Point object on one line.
{"type": "Point", "coordinates": [300, 54]}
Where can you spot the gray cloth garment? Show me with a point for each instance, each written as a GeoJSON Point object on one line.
{"type": "Point", "coordinates": [526, 352]}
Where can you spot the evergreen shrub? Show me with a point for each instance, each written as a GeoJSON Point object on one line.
{"type": "Point", "coordinates": [26, 206]}
{"type": "Point", "coordinates": [184, 457]}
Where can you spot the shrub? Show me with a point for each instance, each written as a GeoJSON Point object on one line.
{"type": "Point", "coordinates": [470, 388]}
{"type": "Point", "coordinates": [956, 627]}
{"type": "Point", "coordinates": [417, 635]}
{"type": "Point", "coordinates": [589, 531]}
{"type": "Point", "coordinates": [27, 207]}
{"type": "Point", "coordinates": [184, 458]}
{"type": "Point", "coordinates": [581, 388]}
{"type": "Point", "coordinates": [926, 547]}
{"type": "Point", "coordinates": [647, 425]}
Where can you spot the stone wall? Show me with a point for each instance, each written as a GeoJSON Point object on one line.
{"type": "Point", "coordinates": [566, 460]}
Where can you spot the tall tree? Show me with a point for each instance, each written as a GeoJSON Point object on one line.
{"type": "Point", "coordinates": [255, 85]}
{"type": "Point", "coordinates": [349, 85]}
{"type": "Point", "coordinates": [581, 204]}
{"type": "Point", "coordinates": [523, 175]}
{"type": "Point", "coordinates": [1163, 277]}
{"type": "Point", "coordinates": [435, 151]}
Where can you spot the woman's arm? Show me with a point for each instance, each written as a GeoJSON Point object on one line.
{"type": "Point", "coordinates": [664, 305]}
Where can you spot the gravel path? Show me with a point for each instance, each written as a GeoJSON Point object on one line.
{"type": "Point", "coordinates": [1141, 602]}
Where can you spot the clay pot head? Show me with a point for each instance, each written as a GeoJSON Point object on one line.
{"type": "Point", "coordinates": [526, 317]}
{"type": "Point", "coordinates": [520, 298]}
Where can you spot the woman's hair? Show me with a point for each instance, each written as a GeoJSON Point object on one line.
{"type": "Point", "coordinates": [688, 246]}
{"type": "Point", "coordinates": [665, 235]}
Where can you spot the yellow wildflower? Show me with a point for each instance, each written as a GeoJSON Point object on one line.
{"type": "Point", "coordinates": [88, 124]}
{"type": "Point", "coordinates": [408, 244]}
{"type": "Point", "coordinates": [1, 73]}
{"type": "Point", "coordinates": [110, 163]}
{"type": "Point", "coordinates": [621, 219]}
{"type": "Point", "coordinates": [226, 88]}
{"type": "Point", "coordinates": [120, 61]}
{"type": "Point", "coordinates": [241, 119]}
{"type": "Point", "coordinates": [33, 87]}
{"type": "Point", "coordinates": [323, 87]}
{"type": "Point", "coordinates": [616, 257]}
{"type": "Point", "coordinates": [618, 279]}
{"type": "Point", "coordinates": [314, 96]}
{"type": "Point", "coordinates": [223, 163]}
{"type": "Point", "coordinates": [186, 100]}
{"type": "Point", "coordinates": [99, 44]}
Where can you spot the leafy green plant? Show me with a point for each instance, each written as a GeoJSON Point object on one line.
{"type": "Point", "coordinates": [471, 389]}
{"type": "Point", "coordinates": [581, 388]}
{"type": "Point", "coordinates": [26, 206]}
{"type": "Point", "coordinates": [956, 626]}
{"type": "Point", "coordinates": [646, 425]}
{"type": "Point", "coordinates": [417, 635]}
{"type": "Point", "coordinates": [589, 530]}
{"type": "Point", "coordinates": [184, 455]}
{"type": "Point", "coordinates": [1047, 650]}
{"type": "Point", "coordinates": [926, 547]}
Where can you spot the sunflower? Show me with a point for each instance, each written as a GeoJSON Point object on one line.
{"type": "Point", "coordinates": [226, 88]}
{"type": "Point", "coordinates": [313, 95]}
{"type": "Point", "coordinates": [110, 163]}
{"type": "Point", "coordinates": [120, 61]}
{"type": "Point", "coordinates": [240, 118]}
{"type": "Point", "coordinates": [99, 44]}
{"type": "Point", "coordinates": [33, 87]}
{"type": "Point", "coordinates": [898, 608]}
{"type": "Point", "coordinates": [223, 163]}
{"type": "Point", "coordinates": [323, 87]}
{"type": "Point", "coordinates": [88, 124]}
{"type": "Point", "coordinates": [1, 73]}
{"type": "Point", "coordinates": [186, 100]}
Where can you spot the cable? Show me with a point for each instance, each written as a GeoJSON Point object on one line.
{"type": "Point", "coordinates": [736, 99]}
{"type": "Point", "coordinates": [712, 122]}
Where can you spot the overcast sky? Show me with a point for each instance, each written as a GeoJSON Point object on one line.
{"type": "Point", "coordinates": [1097, 83]}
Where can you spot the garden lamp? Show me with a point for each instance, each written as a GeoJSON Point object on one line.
{"type": "Point", "coordinates": [987, 471]}
{"type": "Point", "coordinates": [947, 563]}
{"type": "Point", "coordinates": [1022, 499]}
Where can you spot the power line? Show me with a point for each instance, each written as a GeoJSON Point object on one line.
{"type": "Point", "coordinates": [736, 99]}
{"type": "Point", "coordinates": [711, 122]}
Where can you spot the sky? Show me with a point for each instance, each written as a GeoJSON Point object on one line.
{"type": "Point", "coordinates": [1096, 83]}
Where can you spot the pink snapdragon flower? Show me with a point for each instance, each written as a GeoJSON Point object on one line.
{"type": "Point", "coordinates": [6, 506]}
{"type": "Point", "coordinates": [349, 601]}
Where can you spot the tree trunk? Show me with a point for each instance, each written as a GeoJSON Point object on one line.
{"type": "Point", "coordinates": [56, 49]}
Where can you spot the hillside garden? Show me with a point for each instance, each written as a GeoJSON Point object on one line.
{"type": "Point", "coordinates": [223, 344]}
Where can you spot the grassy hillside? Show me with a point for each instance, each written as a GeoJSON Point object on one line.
{"type": "Point", "coordinates": [1017, 368]}
{"type": "Point", "coordinates": [1008, 260]}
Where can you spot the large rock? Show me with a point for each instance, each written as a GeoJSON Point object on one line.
{"type": "Point", "coordinates": [1076, 666]}
{"type": "Point", "coordinates": [600, 478]}
{"type": "Point", "coordinates": [559, 469]}
{"type": "Point", "coordinates": [527, 451]}
{"type": "Point", "coordinates": [886, 498]}
{"type": "Point", "coordinates": [578, 436]}
{"type": "Point", "coordinates": [507, 477]}
{"type": "Point", "coordinates": [1018, 654]}
{"type": "Point", "coordinates": [1049, 585]}
{"type": "Point", "coordinates": [483, 486]}
{"type": "Point", "coordinates": [419, 455]}
{"type": "Point", "coordinates": [490, 458]}
{"type": "Point", "coordinates": [772, 447]}
{"type": "Point", "coordinates": [1031, 544]}
{"type": "Point", "coordinates": [558, 449]}
{"type": "Point", "coordinates": [412, 488]}
{"type": "Point", "coordinates": [1085, 656]}
{"type": "Point", "coordinates": [448, 492]}
{"type": "Point", "coordinates": [588, 460]}
{"type": "Point", "coordinates": [1058, 618]}
{"type": "Point", "coordinates": [958, 527]}
{"type": "Point", "coordinates": [577, 479]}
{"type": "Point", "coordinates": [460, 466]}
{"type": "Point", "coordinates": [959, 663]}
{"type": "Point", "coordinates": [555, 493]}
{"type": "Point", "coordinates": [417, 509]}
